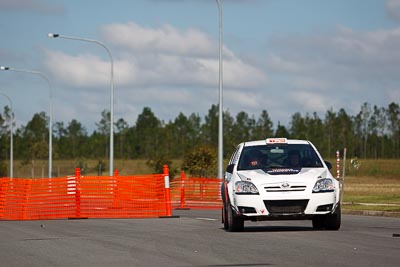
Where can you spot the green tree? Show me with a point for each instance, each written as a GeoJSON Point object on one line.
{"type": "Point", "coordinates": [210, 127]}
{"type": "Point", "coordinates": [120, 136]}
{"type": "Point", "coordinates": [330, 119]}
{"type": "Point", "coordinates": [380, 115]}
{"type": "Point", "coordinates": [157, 164]}
{"type": "Point", "coordinates": [148, 134]}
{"type": "Point", "coordinates": [243, 127]}
{"type": "Point", "coordinates": [60, 146]}
{"type": "Point", "coordinates": [314, 127]}
{"type": "Point", "coordinates": [344, 131]}
{"type": "Point", "coordinates": [393, 114]}
{"type": "Point", "coordinates": [3, 169]}
{"type": "Point", "coordinates": [35, 138]}
{"type": "Point", "coordinates": [373, 125]}
{"type": "Point", "coordinates": [263, 128]}
{"type": "Point", "coordinates": [3, 138]}
{"type": "Point", "coordinates": [95, 147]}
{"type": "Point", "coordinates": [281, 131]}
{"type": "Point", "coordinates": [76, 135]}
{"type": "Point", "coordinates": [201, 162]}
{"type": "Point", "coordinates": [194, 134]}
{"type": "Point", "coordinates": [298, 128]}
{"type": "Point", "coordinates": [181, 131]}
{"type": "Point", "coordinates": [6, 123]}
{"type": "Point", "coordinates": [103, 131]}
{"type": "Point", "coordinates": [363, 126]}
{"type": "Point", "coordinates": [229, 142]}
{"type": "Point", "coordinates": [373, 132]}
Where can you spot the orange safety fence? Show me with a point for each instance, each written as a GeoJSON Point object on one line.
{"type": "Point", "coordinates": [79, 196]}
{"type": "Point", "coordinates": [196, 193]}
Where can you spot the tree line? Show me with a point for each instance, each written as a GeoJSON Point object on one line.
{"type": "Point", "coordinates": [372, 133]}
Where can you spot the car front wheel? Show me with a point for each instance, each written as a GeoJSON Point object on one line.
{"type": "Point", "coordinates": [235, 223]}
{"type": "Point", "coordinates": [225, 218]}
{"type": "Point", "coordinates": [328, 222]}
{"type": "Point", "coordinates": [334, 220]}
{"type": "Point", "coordinates": [318, 222]}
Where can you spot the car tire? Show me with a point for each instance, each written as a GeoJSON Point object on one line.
{"type": "Point", "coordinates": [328, 222]}
{"type": "Point", "coordinates": [225, 217]}
{"type": "Point", "coordinates": [318, 222]}
{"type": "Point", "coordinates": [224, 214]}
{"type": "Point", "coordinates": [334, 220]}
{"type": "Point", "coordinates": [235, 223]}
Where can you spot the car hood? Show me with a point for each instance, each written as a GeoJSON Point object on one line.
{"type": "Point", "coordinates": [304, 175]}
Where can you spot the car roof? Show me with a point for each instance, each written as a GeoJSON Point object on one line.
{"type": "Point", "coordinates": [264, 142]}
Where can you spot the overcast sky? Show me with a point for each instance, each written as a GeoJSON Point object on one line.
{"type": "Point", "coordinates": [284, 56]}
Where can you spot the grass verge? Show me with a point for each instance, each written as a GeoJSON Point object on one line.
{"type": "Point", "coordinates": [372, 193]}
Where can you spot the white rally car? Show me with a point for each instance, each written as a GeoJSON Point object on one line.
{"type": "Point", "coordinates": [279, 179]}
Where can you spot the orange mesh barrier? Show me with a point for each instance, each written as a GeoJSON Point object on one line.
{"type": "Point", "coordinates": [84, 197]}
{"type": "Point", "coordinates": [196, 193]}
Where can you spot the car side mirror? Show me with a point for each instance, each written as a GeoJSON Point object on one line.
{"type": "Point", "coordinates": [328, 164]}
{"type": "Point", "coordinates": [229, 168]}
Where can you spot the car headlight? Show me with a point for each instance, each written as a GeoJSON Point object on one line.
{"type": "Point", "coordinates": [243, 187]}
{"type": "Point", "coordinates": [324, 185]}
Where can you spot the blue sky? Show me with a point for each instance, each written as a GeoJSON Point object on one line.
{"type": "Point", "coordinates": [284, 56]}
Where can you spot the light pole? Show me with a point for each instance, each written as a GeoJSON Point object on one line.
{"type": "Point", "coordinates": [11, 136]}
{"type": "Point", "coordinates": [56, 35]}
{"type": "Point", "coordinates": [51, 110]}
{"type": "Point", "coordinates": [220, 112]}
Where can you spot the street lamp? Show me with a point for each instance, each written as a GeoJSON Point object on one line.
{"type": "Point", "coordinates": [11, 136]}
{"type": "Point", "coordinates": [56, 35]}
{"type": "Point", "coordinates": [220, 112]}
{"type": "Point", "coordinates": [51, 110]}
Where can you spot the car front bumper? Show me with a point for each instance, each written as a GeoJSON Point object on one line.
{"type": "Point", "coordinates": [285, 206]}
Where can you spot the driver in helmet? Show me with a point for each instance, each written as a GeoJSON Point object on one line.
{"type": "Point", "coordinates": [256, 158]}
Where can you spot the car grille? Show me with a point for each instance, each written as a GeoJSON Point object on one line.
{"type": "Point", "coordinates": [286, 206]}
{"type": "Point", "coordinates": [293, 188]}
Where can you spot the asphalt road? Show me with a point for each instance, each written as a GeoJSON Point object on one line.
{"type": "Point", "coordinates": [197, 238]}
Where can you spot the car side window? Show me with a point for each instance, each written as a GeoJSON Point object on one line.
{"type": "Point", "coordinates": [235, 156]}
{"type": "Point", "coordinates": [253, 158]}
{"type": "Point", "coordinates": [311, 159]}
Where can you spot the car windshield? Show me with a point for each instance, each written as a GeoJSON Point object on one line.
{"type": "Point", "coordinates": [289, 156]}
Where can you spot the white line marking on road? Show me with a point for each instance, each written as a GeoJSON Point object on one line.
{"type": "Point", "coordinates": [206, 219]}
